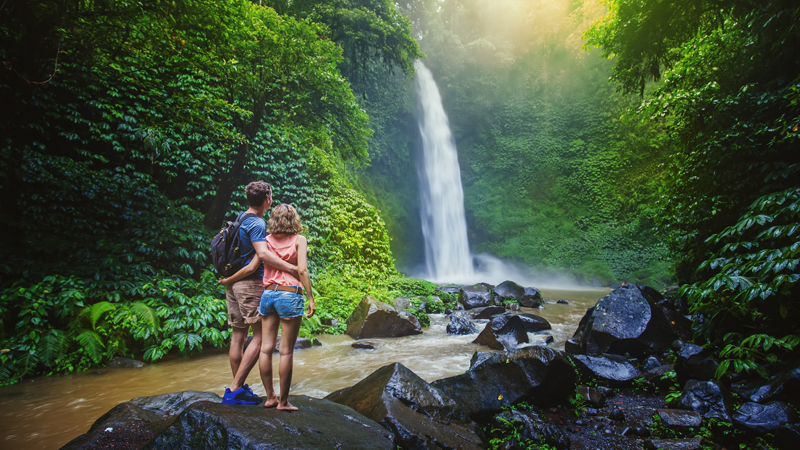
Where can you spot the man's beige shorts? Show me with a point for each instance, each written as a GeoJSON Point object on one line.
{"type": "Point", "coordinates": [243, 299]}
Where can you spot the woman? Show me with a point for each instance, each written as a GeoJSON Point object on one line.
{"type": "Point", "coordinates": [282, 301]}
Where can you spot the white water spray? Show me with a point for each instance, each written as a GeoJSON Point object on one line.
{"type": "Point", "coordinates": [444, 224]}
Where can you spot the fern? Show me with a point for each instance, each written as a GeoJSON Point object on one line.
{"type": "Point", "coordinates": [92, 344]}
{"type": "Point", "coordinates": [53, 345]}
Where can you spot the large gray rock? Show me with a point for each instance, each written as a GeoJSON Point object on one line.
{"type": "Point", "coordinates": [534, 323]}
{"type": "Point", "coordinates": [532, 298]}
{"type": "Point", "coordinates": [508, 291]}
{"type": "Point", "coordinates": [709, 398]}
{"type": "Point", "coordinates": [460, 325]}
{"type": "Point", "coordinates": [785, 385]}
{"type": "Point", "coordinates": [679, 418]}
{"type": "Point", "coordinates": [374, 318]}
{"type": "Point", "coordinates": [485, 312]}
{"type": "Point", "coordinates": [419, 416]}
{"type": "Point", "coordinates": [319, 424]}
{"type": "Point", "coordinates": [531, 428]}
{"type": "Point", "coordinates": [674, 444]}
{"type": "Point", "coordinates": [475, 296]}
{"type": "Point", "coordinates": [538, 375]}
{"type": "Point", "coordinates": [694, 364]}
{"type": "Point", "coordinates": [608, 370]}
{"type": "Point", "coordinates": [628, 320]}
{"type": "Point", "coordinates": [763, 418]}
{"type": "Point", "coordinates": [503, 332]}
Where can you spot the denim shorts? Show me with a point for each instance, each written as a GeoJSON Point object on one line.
{"type": "Point", "coordinates": [286, 304]}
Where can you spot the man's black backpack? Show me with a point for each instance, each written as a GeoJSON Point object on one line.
{"type": "Point", "coordinates": [226, 247]}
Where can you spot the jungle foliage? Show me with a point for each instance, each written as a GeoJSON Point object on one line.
{"type": "Point", "coordinates": [129, 130]}
{"type": "Point", "coordinates": [729, 91]}
{"type": "Point", "coordinates": [553, 176]}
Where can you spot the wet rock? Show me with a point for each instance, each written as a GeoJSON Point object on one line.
{"type": "Point", "coordinates": [479, 357]}
{"type": "Point", "coordinates": [763, 418]}
{"type": "Point", "coordinates": [657, 376]}
{"type": "Point", "coordinates": [636, 431]}
{"type": "Point", "coordinates": [513, 306]}
{"type": "Point", "coordinates": [364, 345]}
{"type": "Point", "coordinates": [677, 322]}
{"type": "Point", "coordinates": [679, 418]}
{"type": "Point", "coordinates": [534, 323]}
{"type": "Point", "coordinates": [460, 325]}
{"type": "Point", "coordinates": [319, 424]}
{"type": "Point", "coordinates": [532, 298]}
{"type": "Point", "coordinates": [673, 444]}
{"type": "Point", "coordinates": [486, 312]}
{"type": "Point", "coordinates": [651, 363]}
{"type": "Point", "coordinates": [503, 332]}
{"type": "Point", "coordinates": [531, 427]}
{"type": "Point", "coordinates": [538, 375]}
{"type": "Point", "coordinates": [693, 363]}
{"type": "Point", "coordinates": [787, 437]}
{"type": "Point", "coordinates": [418, 415]}
{"type": "Point", "coordinates": [475, 296]}
{"type": "Point", "coordinates": [507, 291]}
{"type": "Point", "coordinates": [616, 414]}
{"type": "Point", "coordinates": [126, 362]}
{"type": "Point", "coordinates": [605, 391]}
{"type": "Point", "coordinates": [373, 318]}
{"type": "Point", "coordinates": [562, 302]}
{"type": "Point", "coordinates": [709, 398]}
{"type": "Point", "coordinates": [785, 385]}
{"type": "Point", "coordinates": [627, 320]}
{"type": "Point", "coordinates": [405, 303]}
{"type": "Point", "coordinates": [148, 415]}
{"type": "Point", "coordinates": [615, 373]}
{"type": "Point", "coordinates": [592, 396]}
{"type": "Point", "coordinates": [450, 290]}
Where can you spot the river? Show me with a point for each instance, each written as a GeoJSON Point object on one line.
{"type": "Point", "coordinates": [48, 412]}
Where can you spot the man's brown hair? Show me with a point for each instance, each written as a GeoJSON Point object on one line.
{"type": "Point", "coordinates": [257, 192]}
{"type": "Point", "coordinates": [284, 220]}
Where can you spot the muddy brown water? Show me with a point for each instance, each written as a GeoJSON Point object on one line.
{"type": "Point", "coordinates": [48, 412]}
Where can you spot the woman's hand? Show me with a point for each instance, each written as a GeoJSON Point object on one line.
{"type": "Point", "coordinates": [312, 308]}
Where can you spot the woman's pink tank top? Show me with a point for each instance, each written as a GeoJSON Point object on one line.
{"type": "Point", "coordinates": [283, 246]}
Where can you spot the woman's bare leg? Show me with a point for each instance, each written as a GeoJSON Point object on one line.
{"type": "Point", "coordinates": [289, 330]}
{"type": "Point", "coordinates": [269, 335]}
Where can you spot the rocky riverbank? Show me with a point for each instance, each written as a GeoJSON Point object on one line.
{"type": "Point", "coordinates": [628, 380]}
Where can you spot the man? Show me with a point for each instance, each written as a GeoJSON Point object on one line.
{"type": "Point", "coordinates": [244, 296]}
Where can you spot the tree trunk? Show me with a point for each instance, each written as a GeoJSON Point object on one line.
{"type": "Point", "coordinates": [215, 216]}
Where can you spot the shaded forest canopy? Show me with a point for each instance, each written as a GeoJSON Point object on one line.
{"type": "Point", "coordinates": [130, 128]}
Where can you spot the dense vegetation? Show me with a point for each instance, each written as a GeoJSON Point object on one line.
{"type": "Point", "coordinates": [729, 88]}
{"type": "Point", "coordinates": [552, 177]}
{"type": "Point", "coordinates": [128, 132]}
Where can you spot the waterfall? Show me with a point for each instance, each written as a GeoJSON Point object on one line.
{"type": "Point", "coordinates": [444, 225]}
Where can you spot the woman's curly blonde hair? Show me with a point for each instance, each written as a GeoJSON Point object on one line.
{"type": "Point", "coordinates": [284, 220]}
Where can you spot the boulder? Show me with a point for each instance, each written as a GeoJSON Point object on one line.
{"type": "Point", "coordinates": [460, 325]}
{"type": "Point", "coordinates": [450, 290]}
{"type": "Point", "coordinates": [531, 298]}
{"type": "Point", "coordinates": [374, 318]}
{"type": "Point", "coordinates": [534, 323]}
{"type": "Point", "coordinates": [677, 419]}
{"type": "Point", "coordinates": [364, 345]}
{"type": "Point", "coordinates": [674, 444]}
{"type": "Point", "coordinates": [507, 291]}
{"type": "Point", "coordinates": [418, 415]}
{"type": "Point", "coordinates": [405, 303]}
{"type": "Point", "coordinates": [764, 418]}
{"type": "Point", "coordinates": [479, 357]}
{"type": "Point", "coordinates": [656, 376]}
{"type": "Point", "coordinates": [709, 398]}
{"type": "Point", "coordinates": [787, 437]}
{"type": "Point", "coordinates": [319, 424]}
{"type": "Point", "coordinates": [562, 302]}
{"type": "Point", "coordinates": [504, 331]}
{"type": "Point", "coordinates": [126, 362]}
{"type": "Point", "coordinates": [651, 363]}
{"type": "Point", "coordinates": [538, 375]}
{"type": "Point", "coordinates": [693, 363]}
{"type": "Point", "coordinates": [785, 385]}
{"type": "Point", "coordinates": [475, 296]}
{"type": "Point", "coordinates": [627, 320]}
{"type": "Point", "coordinates": [486, 312]}
{"type": "Point", "coordinates": [614, 372]}
{"type": "Point", "coordinates": [591, 396]}
{"type": "Point", "coordinates": [531, 427]}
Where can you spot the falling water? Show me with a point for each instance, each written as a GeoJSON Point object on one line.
{"type": "Point", "coordinates": [444, 224]}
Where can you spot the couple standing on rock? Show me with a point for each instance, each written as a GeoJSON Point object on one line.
{"type": "Point", "coordinates": [264, 296]}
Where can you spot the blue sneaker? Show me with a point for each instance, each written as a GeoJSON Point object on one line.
{"type": "Point", "coordinates": [241, 396]}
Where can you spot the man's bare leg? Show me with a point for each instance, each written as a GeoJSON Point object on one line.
{"type": "Point", "coordinates": [248, 359]}
{"type": "Point", "coordinates": [238, 338]}
{"type": "Point", "coordinates": [289, 330]}
{"type": "Point", "coordinates": [269, 335]}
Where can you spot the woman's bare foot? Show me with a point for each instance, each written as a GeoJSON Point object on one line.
{"type": "Point", "coordinates": [271, 402]}
{"type": "Point", "coordinates": [286, 407]}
